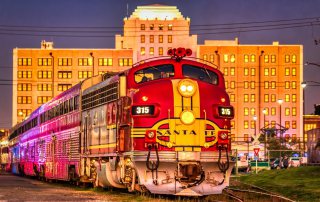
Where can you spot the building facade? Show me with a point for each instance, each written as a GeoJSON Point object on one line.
{"type": "Point", "coordinates": [257, 75]}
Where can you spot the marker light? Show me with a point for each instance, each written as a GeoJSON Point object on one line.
{"type": "Point", "coordinates": [187, 87]}
{"type": "Point", "coordinates": [187, 117]}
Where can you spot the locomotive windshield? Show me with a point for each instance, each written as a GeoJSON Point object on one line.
{"type": "Point", "coordinates": [154, 73]}
{"type": "Point", "coordinates": [200, 73]}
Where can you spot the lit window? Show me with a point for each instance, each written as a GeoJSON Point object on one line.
{"type": "Point", "coordinates": [266, 58]}
{"type": "Point", "coordinates": [246, 98]}
{"type": "Point", "coordinates": [169, 38]}
{"type": "Point", "coordinates": [287, 124]}
{"type": "Point", "coordinates": [160, 50]}
{"type": "Point", "coordinates": [294, 111]}
{"type": "Point", "coordinates": [287, 59]}
{"type": "Point", "coordinates": [225, 58]}
{"type": "Point", "coordinates": [232, 71]}
{"type": "Point", "coordinates": [287, 84]}
{"type": "Point", "coordinates": [253, 71]}
{"type": "Point", "coordinates": [287, 111]}
{"type": "Point", "coordinates": [294, 71]}
{"type": "Point", "coordinates": [294, 58]}
{"type": "Point", "coordinates": [232, 84]}
{"type": "Point", "coordinates": [233, 136]}
{"type": "Point", "coordinates": [169, 26]}
{"type": "Point", "coordinates": [24, 62]}
{"type": "Point", "coordinates": [125, 62]}
{"type": "Point", "coordinates": [273, 71]}
{"type": "Point", "coordinates": [287, 98]}
{"type": "Point", "coordinates": [273, 58]}
{"type": "Point", "coordinates": [266, 71]}
{"type": "Point", "coordinates": [294, 124]}
{"type": "Point", "coordinates": [84, 74]}
{"type": "Point", "coordinates": [253, 124]}
{"type": "Point", "coordinates": [232, 58]}
{"type": "Point", "coordinates": [205, 57]}
{"type": "Point", "coordinates": [151, 50]}
{"type": "Point", "coordinates": [142, 51]}
{"type": "Point", "coordinates": [232, 124]}
{"type": "Point", "coordinates": [287, 71]}
{"type": "Point", "coordinates": [267, 110]}
{"type": "Point", "coordinates": [253, 111]}
{"type": "Point", "coordinates": [294, 98]}
{"type": "Point", "coordinates": [294, 85]}
{"type": "Point", "coordinates": [232, 98]}
{"type": "Point", "coordinates": [246, 71]}
{"type": "Point", "coordinates": [252, 85]}
{"type": "Point", "coordinates": [266, 97]}
{"type": "Point", "coordinates": [273, 84]}
{"type": "Point", "coordinates": [246, 58]}
{"type": "Point", "coordinates": [160, 26]}
{"type": "Point", "coordinates": [151, 38]}
{"type": "Point", "coordinates": [226, 84]}
{"type": "Point", "coordinates": [225, 70]}
{"type": "Point", "coordinates": [142, 39]}
{"type": "Point", "coordinates": [143, 27]}
{"type": "Point", "coordinates": [273, 98]}
{"type": "Point", "coordinates": [246, 111]}
{"type": "Point", "coordinates": [44, 61]}
{"type": "Point", "coordinates": [273, 124]}
{"type": "Point", "coordinates": [160, 38]}
{"type": "Point", "coordinates": [253, 58]}
{"type": "Point", "coordinates": [245, 137]}
{"type": "Point", "coordinates": [266, 84]}
{"type": "Point", "coordinates": [273, 111]}
{"type": "Point", "coordinates": [64, 61]}
{"type": "Point", "coordinates": [105, 61]}
{"type": "Point", "coordinates": [246, 84]}
{"type": "Point", "coordinates": [253, 98]}
{"type": "Point", "coordinates": [246, 124]}
{"type": "Point", "coordinates": [151, 26]}
{"type": "Point", "coordinates": [211, 58]}
{"type": "Point", "coordinates": [266, 123]}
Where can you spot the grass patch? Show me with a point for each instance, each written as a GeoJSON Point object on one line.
{"type": "Point", "coordinates": [301, 184]}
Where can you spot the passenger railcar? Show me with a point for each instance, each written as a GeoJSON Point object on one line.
{"type": "Point", "coordinates": [162, 126]}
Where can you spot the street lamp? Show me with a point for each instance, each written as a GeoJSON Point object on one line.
{"type": "Point", "coordinates": [303, 85]}
{"type": "Point", "coordinates": [264, 111]}
{"type": "Point", "coordinates": [312, 63]}
{"type": "Point", "coordinates": [280, 101]}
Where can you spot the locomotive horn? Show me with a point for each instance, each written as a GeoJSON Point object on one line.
{"type": "Point", "coordinates": [188, 52]}
{"type": "Point", "coordinates": [170, 52]}
{"type": "Point", "coordinates": [181, 52]}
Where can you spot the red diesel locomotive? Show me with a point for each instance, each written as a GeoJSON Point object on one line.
{"type": "Point", "coordinates": [162, 126]}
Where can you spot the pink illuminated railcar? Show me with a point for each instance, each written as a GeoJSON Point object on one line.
{"type": "Point", "coordinates": [162, 126]}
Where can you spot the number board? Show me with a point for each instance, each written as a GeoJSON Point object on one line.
{"type": "Point", "coordinates": [143, 110]}
{"type": "Point", "coordinates": [226, 111]}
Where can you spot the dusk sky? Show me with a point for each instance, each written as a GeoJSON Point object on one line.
{"type": "Point", "coordinates": [97, 21]}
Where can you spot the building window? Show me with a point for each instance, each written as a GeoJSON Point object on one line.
{"type": "Point", "coordinates": [266, 71]}
{"type": "Point", "coordinates": [233, 136]}
{"type": "Point", "coordinates": [170, 27]}
{"type": "Point", "coordinates": [252, 84]}
{"type": "Point", "coordinates": [24, 112]}
{"type": "Point", "coordinates": [246, 111]}
{"type": "Point", "coordinates": [142, 38]}
{"type": "Point", "coordinates": [294, 98]}
{"type": "Point", "coordinates": [151, 38]}
{"type": "Point", "coordinates": [287, 124]}
{"type": "Point", "coordinates": [225, 58]}
{"type": "Point", "coordinates": [287, 85]}
{"type": "Point", "coordinates": [125, 61]}
{"type": "Point", "coordinates": [24, 87]}
{"type": "Point", "coordinates": [287, 58]}
{"type": "Point", "coordinates": [246, 71]}
{"type": "Point", "coordinates": [266, 123]}
{"type": "Point", "coordinates": [44, 87]}
{"type": "Point", "coordinates": [151, 26]}
{"type": "Point", "coordinates": [24, 99]}
{"type": "Point", "coordinates": [64, 74]}
{"type": "Point", "coordinates": [151, 51]}
{"type": "Point", "coordinates": [232, 71]}
{"type": "Point", "coordinates": [273, 85]}
{"type": "Point", "coordinates": [294, 58]}
{"type": "Point", "coordinates": [205, 57]}
{"type": "Point", "coordinates": [273, 111]}
{"type": "Point", "coordinates": [253, 111]}
{"type": "Point", "coordinates": [64, 87]}
{"type": "Point", "coordinates": [246, 124]}
{"type": "Point", "coordinates": [287, 111]}
{"type": "Point", "coordinates": [294, 124]}
{"type": "Point", "coordinates": [253, 58]}
{"type": "Point", "coordinates": [294, 85]}
{"type": "Point", "coordinates": [287, 98]}
{"type": "Point", "coordinates": [287, 71]}
{"type": "Point", "coordinates": [246, 137]}
{"type": "Point", "coordinates": [253, 98]}
{"type": "Point", "coordinates": [232, 58]}
{"type": "Point", "coordinates": [160, 26]}
{"type": "Point", "coordinates": [273, 71]}
{"type": "Point", "coordinates": [232, 98]}
{"type": "Point", "coordinates": [85, 62]}
{"type": "Point", "coordinates": [44, 74]}
{"type": "Point", "coordinates": [267, 110]}
{"type": "Point", "coordinates": [253, 71]}
{"type": "Point", "coordinates": [294, 111]}
{"type": "Point", "coordinates": [142, 51]}
{"type": "Point", "coordinates": [273, 58]}
{"type": "Point", "coordinates": [105, 62]}
{"type": "Point", "coordinates": [246, 58]}
{"type": "Point", "coordinates": [84, 74]}
{"type": "Point", "coordinates": [44, 61]}
{"type": "Point", "coordinates": [246, 98]}
{"type": "Point", "coordinates": [266, 58]}
{"type": "Point", "coordinates": [143, 27]}
{"type": "Point", "coordinates": [43, 99]}
{"type": "Point", "coordinates": [64, 61]}
{"type": "Point", "coordinates": [24, 74]}
{"type": "Point", "coordinates": [266, 85]}
{"type": "Point", "coordinates": [226, 84]}
{"type": "Point", "coordinates": [246, 84]}
{"type": "Point", "coordinates": [266, 97]}
{"type": "Point", "coordinates": [211, 58]}
{"type": "Point", "coordinates": [294, 71]}
{"type": "Point", "coordinates": [160, 38]}
{"type": "Point", "coordinates": [273, 98]}
{"type": "Point", "coordinates": [225, 71]}
{"type": "Point", "coordinates": [24, 62]}
{"type": "Point", "coordinates": [232, 84]}
{"type": "Point", "coordinates": [169, 38]}
{"type": "Point", "coordinates": [273, 124]}
{"type": "Point", "coordinates": [160, 50]}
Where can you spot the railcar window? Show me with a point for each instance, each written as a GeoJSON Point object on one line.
{"type": "Point", "coordinates": [154, 73]}
{"type": "Point", "coordinates": [200, 74]}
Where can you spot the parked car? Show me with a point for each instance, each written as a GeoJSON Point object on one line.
{"type": "Point", "coordinates": [274, 164]}
{"type": "Point", "coordinates": [242, 163]}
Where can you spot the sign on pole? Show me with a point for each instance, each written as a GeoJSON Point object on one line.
{"type": "Point", "coordinates": [256, 152]}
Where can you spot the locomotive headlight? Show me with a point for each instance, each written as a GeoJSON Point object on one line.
{"type": "Point", "coordinates": [187, 87]}
{"type": "Point", "coordinates": [187, 117]}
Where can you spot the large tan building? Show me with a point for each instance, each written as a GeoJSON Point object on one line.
{"type": "Point", "coordinates": [257, 76]}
